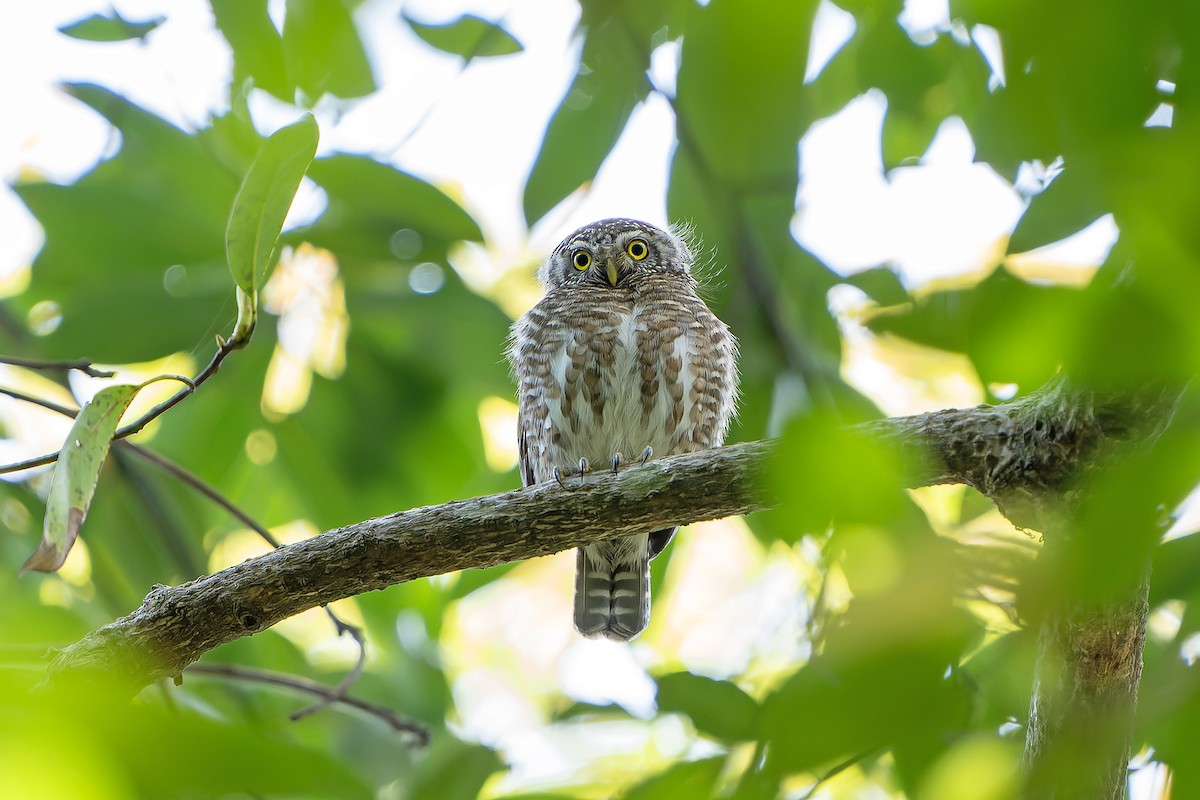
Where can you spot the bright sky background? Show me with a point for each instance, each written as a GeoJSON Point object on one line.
{"type": "Point", "coordinates": [476, 133]}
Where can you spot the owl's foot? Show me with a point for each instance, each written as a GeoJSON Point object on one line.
{"type": "Point", "coordinates": [584, 468]}
{"type": "Point", "coordinates": [617, 458]}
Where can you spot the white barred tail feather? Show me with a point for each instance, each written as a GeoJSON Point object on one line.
{"type": "Point", "coordinates": [612, 589]}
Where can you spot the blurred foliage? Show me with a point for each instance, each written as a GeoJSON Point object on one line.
{"type": "Point", "coordinates": [914, 663]}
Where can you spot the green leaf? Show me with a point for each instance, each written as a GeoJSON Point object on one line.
{"type": "Point", "coordinates": [369, 202]}
{"type": "Point", "coordinates": [323, 51]}
{"type": "Point", "coordinates": [468, 36]}
{"type": "Point", "coordinates": [124, 749]}
{"type": "Point", "coordinates": [829, 472]}
{"type": "Point", "coordinates": [718, 709]}
{"type": "Point", "coordinates": [259, 210]}
{"type": "Point", "coordinates": [109, 28]}
{"type": "Point", "coordinates": [162, 200]}
{"type": "Point", "coordinates": [256, 44]}
{"type": "Point", "coordinates": [588, 120]}
{"type": "Point", "coordinates": [1068, 205]}
{"type": "Point", "coordinates": [741, 89]}
{"type": "Point", "coordinates": [453, 770]}
{"type": "Point", "coordinates": [76, 475]}
{"type": "Point", "coordinates": [684, 781]}
{"type": "Point", "coordinates": [1013, 331]}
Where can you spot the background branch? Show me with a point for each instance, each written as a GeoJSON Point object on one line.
{"type": "Point", "coordinates": [418, 733]}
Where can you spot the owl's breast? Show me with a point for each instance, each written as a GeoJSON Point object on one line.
{"type": "Point", "coordinates": [625, 379]}
{"type": "Point", "coordinates": [618, 376]}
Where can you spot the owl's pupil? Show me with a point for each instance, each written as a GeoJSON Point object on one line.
{"type": "Point", "coordinates": [582, 260]}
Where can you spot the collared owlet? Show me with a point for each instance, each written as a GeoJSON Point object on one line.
{"type": "Point", "coordinates": [620, 361]}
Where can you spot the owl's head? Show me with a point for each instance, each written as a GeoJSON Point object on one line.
{"type": "Point", "coordinates": [615, 253]}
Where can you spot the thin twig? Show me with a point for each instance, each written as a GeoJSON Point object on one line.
{"type": "Point", "coordinates": [81, 365]}
{"type": "Point", "coordinates": [836, 770]}
{"type": "Point", "coordinates": [419, 733]}
{"type": "Point", "coordinates": [223, 349]}
{"type": "Point", "coordinates": [203, 488]}
{"type": "Point", "coordinates": [338, 692]}
{"type": "Point", "coordinates": [39, 401]}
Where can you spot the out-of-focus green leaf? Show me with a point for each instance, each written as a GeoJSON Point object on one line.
{"type": "Point", "coordinates": [259, 209]}
{"type": "Point", "coordinates": [1003, 670]}
{"type": "Point", "coordinates": [370, 202]}
{"type": "Point", "coordinates": [1068, 205]}
{"type": "Point", "coordinates": [924, 84]}
{"type": "Point", "coordinates": [868, 696]}
{"type": "Point", "coordinates": [718, 709]}
{"type": "Point", "coordinates": [256, 44]}
{"type": "Point", "coordinates": [162, 202]}
{"type": "Point", "coordinates": [686, 780]}
{"type": "Point", "coordinates": [453, 770]}
{"type": "Point", "coordinates": [323, 51]}
{"type": "Point", "coordinates": [591, 116]}
{"type": "Point", "coordinates": [1177, 573]}
{"type": "Point", "coordinates": [468, 36]}
{"type": "Point", "coordinates": [76, 474]}
{"type": "Point", "coordinates": [579, 709]}
{"type": "Point", "coordinates": [829, 472]}
{"type": "Point", "coordinates": [111, 27]}
{"type": "Point", "coordinates": [882, 285]}
{"type": "Point", "coordinates": [1168, 703]}
{"type": "Point", "coordinates": [1014, 332]}
{"type": "Point", "coordinates": [123, 749]}
{"type": "Point", "coordinates": [906, 137]}
{"type": "Point", "coordinates": [740, 87]}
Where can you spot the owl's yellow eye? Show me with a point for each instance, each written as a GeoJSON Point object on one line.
{"type": "Point", "coordinates": [582, 260]}
{"type": "Point", "coordinates": [637, 249]}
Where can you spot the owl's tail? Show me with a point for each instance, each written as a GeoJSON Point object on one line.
{"type": "Point", "coordinates": [612, 588]}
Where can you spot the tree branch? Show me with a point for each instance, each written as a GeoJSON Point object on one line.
{"type": "Point", "coordinates": [176, 625]}
{"type": "Point", "coordinates": [998, 449]}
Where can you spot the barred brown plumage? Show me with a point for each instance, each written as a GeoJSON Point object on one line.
{"type": "Point", "coordinates": [621, 360]}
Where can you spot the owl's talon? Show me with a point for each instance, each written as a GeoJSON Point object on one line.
{"type": "Point", "coordinates": [558, 477]}
{"type": "Point", "coordinates": [583, 469]}
{"type": "Point", "coordinates": [649, 451]}
{"type": "Point", "coordinates": [616, 461]}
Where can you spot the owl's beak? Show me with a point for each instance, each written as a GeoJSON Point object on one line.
{"type": "Point", "coordinates": [611, 271]}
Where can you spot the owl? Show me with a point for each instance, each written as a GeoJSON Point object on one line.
{"type": "Point", "coordinates": [621, 361]}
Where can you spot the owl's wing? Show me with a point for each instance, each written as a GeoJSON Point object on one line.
{"type": "Point", "coordinates": [523, 461]}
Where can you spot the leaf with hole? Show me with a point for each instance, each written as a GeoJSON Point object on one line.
{"type": "Point", "coordinates": [76, 475]}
